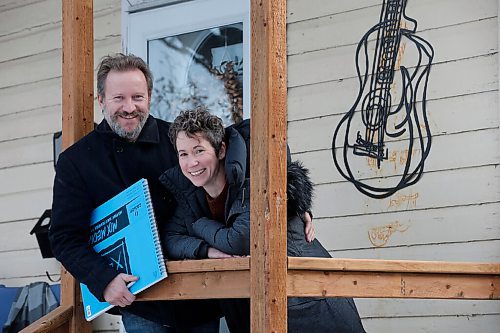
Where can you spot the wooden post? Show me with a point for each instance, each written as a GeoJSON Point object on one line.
{"type": "Point", "coordinates": [77, 70]}
{"type": "Point", "coordinates": [77, 112]}
{"type": "Point", "coordinates": [268, 261]}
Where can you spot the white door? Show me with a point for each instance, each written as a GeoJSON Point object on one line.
{"type": "Point", "coordinates": [199, 54]}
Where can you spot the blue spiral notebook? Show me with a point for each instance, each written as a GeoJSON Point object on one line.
{"type": "Point", "coordinates": [123, 229]}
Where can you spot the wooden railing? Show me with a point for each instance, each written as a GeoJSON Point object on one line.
{"type": "Point", "coordinates": [56, 321]}
{"type": "Point", "coordinates": [323, 277]}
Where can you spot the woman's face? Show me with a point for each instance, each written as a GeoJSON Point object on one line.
{"type": "Point", "coordinates": [198, 160]}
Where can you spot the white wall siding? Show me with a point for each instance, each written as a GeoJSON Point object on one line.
{"type": "Point", "coordinates": [30, 92]}
{"type": "Point", "coordinates": [452, 212]}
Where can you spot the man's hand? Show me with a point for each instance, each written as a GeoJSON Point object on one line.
{"type": "Point", "coordinates": [308, 227]}
{"type": "Point", "coordinates": [117, 293]}
{"type": "Point", "coordinates": [213, 253]}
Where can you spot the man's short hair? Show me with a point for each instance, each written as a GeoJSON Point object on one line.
{"type": "Point", "coordinates": [122, 62]}
{"type": "Point", "coordinates": [196, 121]}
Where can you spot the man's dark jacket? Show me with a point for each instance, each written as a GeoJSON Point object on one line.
{"type": "Point", "coordinates": [90, 172]}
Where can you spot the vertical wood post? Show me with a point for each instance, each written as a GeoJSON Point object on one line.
{"type": "Point", "coordinates": [77, 112]}
{"type": "Point", "coordinates": [268, 260]}
{"type": "Point", "coordinates": [77, 70]}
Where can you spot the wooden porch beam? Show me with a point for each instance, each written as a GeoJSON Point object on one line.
{"type": "Point", "coordinates": [268, 300]}
{"type": "Point", "coordinates": [305, 283]}
{"type": "Point", "coordinates": [55, 321]}
{"type": "Point", "coordinates": [392, 278]}
{"type": "Point", "coordinates": [77, 112]}
{"type": "Point", "coordinates": [200, 285]}
{"type": "Point", "coordinates": [398, 266]}
{"type": "Point", "coordinates": [327, 277]}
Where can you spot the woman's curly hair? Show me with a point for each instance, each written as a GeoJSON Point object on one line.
{"type": "Point", "coordinates": [198, 121]}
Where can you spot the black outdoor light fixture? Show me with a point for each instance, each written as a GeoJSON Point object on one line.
{"type": "Point", "coordinates": [41, 228]}
{"type": "Point", "coordinates": [41, 231]}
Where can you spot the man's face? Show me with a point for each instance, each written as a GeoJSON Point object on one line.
{"type": "Point", "coordinates": [125, 103]}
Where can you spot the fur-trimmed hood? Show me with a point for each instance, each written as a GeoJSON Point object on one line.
{"type": "Point", "coordinates": [299, 189]}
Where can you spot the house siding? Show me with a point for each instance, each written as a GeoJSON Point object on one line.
{"type": "Point", "coordinates": [451, 214]}
{"type": "Point", "coordinates": [30, 95]}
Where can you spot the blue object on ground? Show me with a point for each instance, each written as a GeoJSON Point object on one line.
{"type": "Point", "coordinates": [8, 295]}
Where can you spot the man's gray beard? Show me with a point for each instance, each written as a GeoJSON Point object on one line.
{"type": "Point", "coordinates": [122, 133]}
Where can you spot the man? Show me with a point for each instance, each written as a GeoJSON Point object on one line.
{"type": "Point", "coordinates": [127, 145]}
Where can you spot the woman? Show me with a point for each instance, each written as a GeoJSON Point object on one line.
{"type": "Point", "coordinates": [212, 218]}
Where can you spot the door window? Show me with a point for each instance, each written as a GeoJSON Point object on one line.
{"type": "Point", "coordinates": [197, 60]}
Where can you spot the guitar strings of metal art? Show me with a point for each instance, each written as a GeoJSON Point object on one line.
{"type": "Point", "coordinates": [375, 102]}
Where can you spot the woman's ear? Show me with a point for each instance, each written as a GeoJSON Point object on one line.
{"type": "Point", "coordinates": [222, 151]}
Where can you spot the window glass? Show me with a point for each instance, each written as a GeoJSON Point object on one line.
{"type": "Point", "coordinates": [199, 68]}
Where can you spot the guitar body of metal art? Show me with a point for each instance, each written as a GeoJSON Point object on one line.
{"type": "Point", "coordinates": [364, 131]}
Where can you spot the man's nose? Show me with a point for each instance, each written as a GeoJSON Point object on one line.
{"type": "Point", "coordinates": [128, 105]}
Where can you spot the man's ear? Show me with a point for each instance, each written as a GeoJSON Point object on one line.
{"type": "Point", "coordinates": [101, 101]}
{"type": "Point", "coordinates": [222, 151]}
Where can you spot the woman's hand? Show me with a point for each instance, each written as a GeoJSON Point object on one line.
{"type": "Point", "coordinates": [308, 227]}
{"type": "Point", "coordinates": [213, 253]}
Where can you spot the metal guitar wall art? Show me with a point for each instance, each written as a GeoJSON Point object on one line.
{"type": "Point", "coordinates": [389, 115]}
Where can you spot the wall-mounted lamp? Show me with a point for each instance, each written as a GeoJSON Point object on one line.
{"type": "Point", "coordinates": [41, 231]}
{"type": "Point", "coordinates": [41, 228]}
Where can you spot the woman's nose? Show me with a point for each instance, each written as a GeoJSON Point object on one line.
{"type": "Point", "coordinates": [193, 162]}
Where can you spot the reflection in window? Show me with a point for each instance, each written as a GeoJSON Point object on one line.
{"type": "Point", "coordinates": [202, 68]}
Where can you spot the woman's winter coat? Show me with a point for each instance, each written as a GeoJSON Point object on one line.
{"type": "Point", "coordinates": [190, 232]}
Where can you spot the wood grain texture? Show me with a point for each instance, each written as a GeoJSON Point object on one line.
{"type": "Point", "coordinates": [327, 277]}
{"type": "Point", "coordinates": [71, 296]}
{"type": "Point", "coordinates": [200, 285]}
{"type": "Point", "coordinates": [393, 285]}
{"type": "Point", "coordinates": [78, 70]}
{"type": "Point", "coordinates": [268, 166]}
{"type": "Point", "coordinates": [208, 265]}
{"type": "Point", "coordinates": [393, 266]}
{"type": "Point", "coordinates": [78, 113]}
{"type": "Point", "coordinates": [55, 321]}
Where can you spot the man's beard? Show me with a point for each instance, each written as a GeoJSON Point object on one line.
{"type": "Point", "coordinates": [121, 132]}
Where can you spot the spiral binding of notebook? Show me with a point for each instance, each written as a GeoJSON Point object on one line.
{"type": "Point", "coordinates": [154, 230]}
